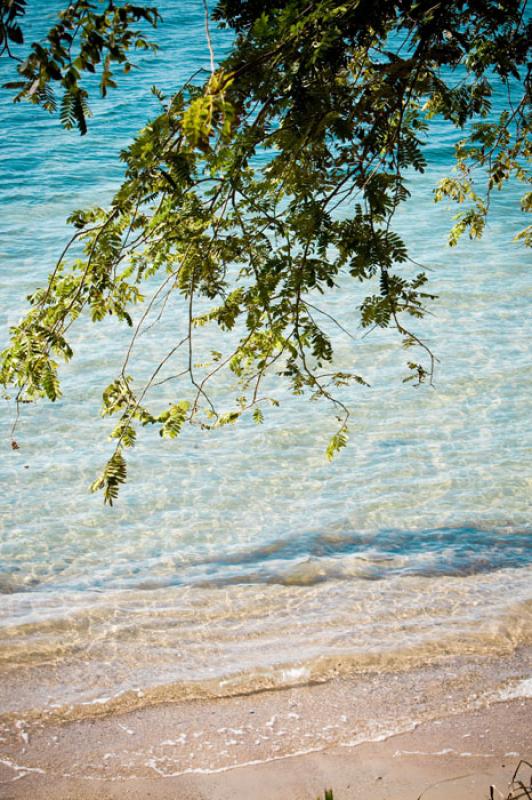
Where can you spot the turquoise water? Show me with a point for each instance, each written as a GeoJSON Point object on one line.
{"type": "Point", "coordinates": [242, 556]}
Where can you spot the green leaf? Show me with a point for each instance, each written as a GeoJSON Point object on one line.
{"type": "Point", "coordinates": [113, 476]}
{"type": "Point", "coordinates": [337, 443]}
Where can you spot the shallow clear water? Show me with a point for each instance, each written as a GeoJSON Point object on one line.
{"type": "Point", "coordinates": [241, 558]}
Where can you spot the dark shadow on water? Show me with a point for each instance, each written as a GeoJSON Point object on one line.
{"type": "Point", "coordinates": [316, 557]}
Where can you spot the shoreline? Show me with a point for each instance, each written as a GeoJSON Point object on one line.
{"type": "Point", "coordinates": [422, 763]}
{"type": "Point", "coordinates": [400, 731]}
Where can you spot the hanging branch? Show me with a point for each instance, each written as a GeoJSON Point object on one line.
{"type": "Point", "coordinates": [274, 182]}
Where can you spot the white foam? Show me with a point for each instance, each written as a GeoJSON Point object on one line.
{"type": "Point", "coordinates": [295, 674]}
{"type": "Point", "coordinates": [445, 752]}
{"type": "Point", "coordinates": [381, 737]}
{"type": "Point", "coordinates": [521, 689]}
{"type": "Point", "coordinates": [98, 701]}
{"type": "Point", "coordinates": [208, 771]}
{"type": "Point", "coordinates": [20, 770]}
{"type": "Point", "coordinates": [19, 725]}
{"type": "Point", "coordinates": [126, 729]}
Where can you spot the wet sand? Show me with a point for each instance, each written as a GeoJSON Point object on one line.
{"type": "Point", "coordinates": [251, 747]}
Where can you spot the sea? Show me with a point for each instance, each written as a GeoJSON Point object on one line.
{"type": "Point", "coordinates": [240, 559]}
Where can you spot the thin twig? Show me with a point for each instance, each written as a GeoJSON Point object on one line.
{"type": "Point", "coordinates": [208, 35]}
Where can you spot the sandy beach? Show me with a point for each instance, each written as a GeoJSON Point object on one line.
{"type": "Point", "coordinates": [458, 757]}
{"type": "Point", "coordinates": [254, 746]}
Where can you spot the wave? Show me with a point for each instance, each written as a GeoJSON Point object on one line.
{"type": "Point", "coordinates": [86, 670]}
{"type": "Point", "coordinates": [317, 672]}
{"type": "Point", "coordinates": [314, 557]}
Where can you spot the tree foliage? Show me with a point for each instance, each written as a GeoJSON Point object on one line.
{"type": "Point", "coordinates": [89, 36]}
{"type": "Point", "coordinates": [231, 196]}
